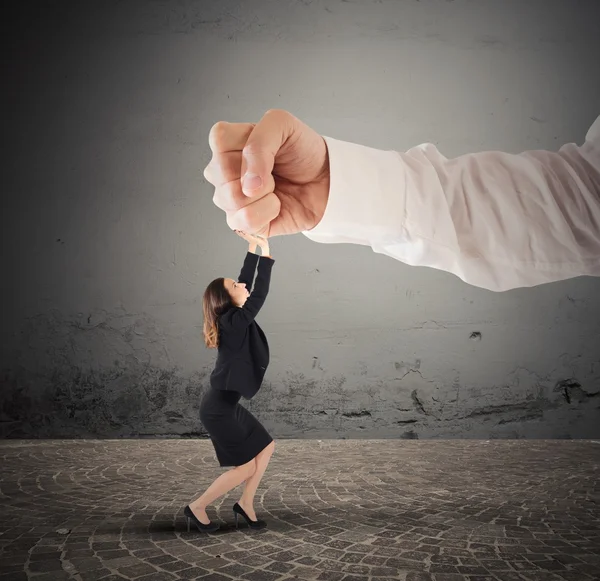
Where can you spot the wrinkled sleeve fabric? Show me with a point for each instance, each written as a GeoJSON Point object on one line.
{"type": "Point", "coordinates": [242, 317]}
{"type": "Point", "coordinates": [248, 269]}
{"type": "Point", "coordinates": [496, 220]}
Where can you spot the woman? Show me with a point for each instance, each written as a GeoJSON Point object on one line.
{"type": "Point", "coordinates": [238, 437]}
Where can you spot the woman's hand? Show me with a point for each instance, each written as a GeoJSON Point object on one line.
{"type": "Point", "coordinates": [254, 241]}
{"type": "Point", "coordinates": [251, 238]}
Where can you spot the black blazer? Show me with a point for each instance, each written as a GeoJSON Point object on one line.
{"type": "Point", "coordinates": [243, 355]}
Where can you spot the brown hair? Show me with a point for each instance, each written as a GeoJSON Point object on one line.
{"type": "Point", "coordinates": [215, 302]}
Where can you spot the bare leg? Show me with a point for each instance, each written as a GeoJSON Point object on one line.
{"type": "Point", "coordinates": [251, 485]}
{"type": "Point", "coordinates": [220, 486]}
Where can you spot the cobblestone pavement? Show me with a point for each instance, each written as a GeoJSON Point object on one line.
{"type": "Point", "coordinates": [337, 511]}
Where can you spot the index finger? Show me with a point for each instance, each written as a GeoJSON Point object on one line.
{"type": "Point", "coordinates": [224, 137]}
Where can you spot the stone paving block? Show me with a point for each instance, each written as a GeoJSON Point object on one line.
{"type": "Point", "coordinates": [45, 566]}
{"type": "Point", "coordinates": [192, 573]}
{"type": "Point", "coordinates": [330, 576]}
{"type": "Point", "coordinates": [541, 576]}
{"type": "Point", "coordinates": [508, 576]}
{"type": "Point", "coordinates": [8, 567]}
{"type": "Point", "coordinates": [14, 577]}
{"type": "Point", "coordinates": [162, 576]}
{"type": "Point", "coordinates": [472, 570]}
{"type": "Point", "coordinates": [278, 567]}
{"type": "Point", "coordinates": [350, 558]}
{"type": "Point", "coordinates": [161, 559]}
{"type": "Point", "coordinates": [120, 562]}
{"type": "Point", "coordinates": [304, 572]}
{"type": "Point", "coordinates": [212, 563]}
{"type": "Point", "coordinates": [418, 576]}
{"type": "Point", "coordinates": [54, 576]}
{"type": "Point", "coordinates": [176, 566]}
{"type": "Point", "coordinates": [357, 569]}
{"type": "Point", "coordinates": [49, 556]}
{"type": "Point", "coordinates": [261, 575]}
{"type": "Point", "coordinates": [443, 569]}
{"type": "Point", "coordinates": [308, 561]}
{"type": "Point", "coordinates": [95, 575]}
{"type": "Point", "coordinates": [137, 570]}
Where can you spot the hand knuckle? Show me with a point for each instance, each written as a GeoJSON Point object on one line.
{"type": "Point", "coordinates": [236, 221]}
{"type": "Point", "coordinates": [233, 197]}
{"type": "Point", "coordinates": [231, 222]}
{"type": "Point", "coordinates": [252, 148]}
{"type": "Point", "coordinates": [218, 200]}
{"type": "Point", "coordinates": [244, 217]}
{"type": "Point", "coordinates": [216, 135]}
{"type": "Point", "coordinates": [275, 112]}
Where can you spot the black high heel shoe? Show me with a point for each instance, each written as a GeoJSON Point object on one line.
{"type": "Point", "coordinates": [253, 524]}
{"type": "Point", "coordinates": [209, 528]}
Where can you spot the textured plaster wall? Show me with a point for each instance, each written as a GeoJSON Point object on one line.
{"type": "Point", "coordinates": [109, 234]}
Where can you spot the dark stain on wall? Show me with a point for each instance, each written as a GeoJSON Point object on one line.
{"type": "Point", "coordinates": [76, 403]}
{"type": "Point", "coordinates": [573, 392]}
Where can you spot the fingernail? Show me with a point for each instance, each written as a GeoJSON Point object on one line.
{"type": "Point", "coordinates": [251, 182]}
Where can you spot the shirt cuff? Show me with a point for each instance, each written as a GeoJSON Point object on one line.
{"type": "Point", "coordinates": [358, 208]}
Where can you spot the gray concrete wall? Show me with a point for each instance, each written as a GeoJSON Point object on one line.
{"type": "Point", "coordinates": [109, 234]}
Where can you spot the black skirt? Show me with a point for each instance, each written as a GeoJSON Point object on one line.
{"type": "Point", "coordinates": [235, 433]}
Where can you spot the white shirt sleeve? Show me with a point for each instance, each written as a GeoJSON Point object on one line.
{"type": "Point", "coordinates": [496, 220]}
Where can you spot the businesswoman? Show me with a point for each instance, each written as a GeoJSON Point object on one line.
{"type": "Point", "coordinates": [239, 439]}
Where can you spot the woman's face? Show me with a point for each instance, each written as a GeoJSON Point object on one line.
{"type": "Point", "coordinates": [237, 291]}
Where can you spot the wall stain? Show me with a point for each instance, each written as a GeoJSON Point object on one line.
{"type": "Point", "coordinates": [359, 414]}
{"type": "Point", "coordinates": [572, 391]}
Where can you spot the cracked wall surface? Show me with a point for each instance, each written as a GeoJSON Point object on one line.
{"type": "Point", "coordinates": [109, 233]}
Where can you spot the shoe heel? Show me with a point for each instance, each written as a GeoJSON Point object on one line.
{"type": "Point", "coordinates": [188, 523]}
{"type": "Point", "coordinates": [236, 519]}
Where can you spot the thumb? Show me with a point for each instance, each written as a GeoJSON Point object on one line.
{"type": "Point", "coordinates": [258, 155]}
